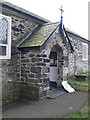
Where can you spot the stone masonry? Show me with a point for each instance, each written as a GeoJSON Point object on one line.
{"type": "Point", "coordinates": [27, 73]}
{"type": "Point", "coordinates": [21, 26]}
{"type": "Point", "coordinates": [35, 69]}
{"type": "Point", "coordinates": [76, 64]}
{"type": "Point", "coordinates": [34, 74]}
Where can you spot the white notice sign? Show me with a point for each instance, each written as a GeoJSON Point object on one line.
{"type": "Point", "coordinates": [67, 87]}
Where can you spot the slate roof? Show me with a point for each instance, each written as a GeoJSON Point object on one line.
{"type": "Point", "coordinates": [40, 35]}
{"type": "Point", "coordinates": [15, 8]}
{"type": "Point", "coordinates": [75, 34]}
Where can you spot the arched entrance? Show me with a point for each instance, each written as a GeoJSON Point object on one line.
{"type": "Point", "coordinates": [56, 66]}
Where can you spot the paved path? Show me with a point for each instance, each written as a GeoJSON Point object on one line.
{"type": "Point", "coordinates": [47, 108]}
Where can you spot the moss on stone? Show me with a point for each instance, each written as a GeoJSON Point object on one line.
{"type": "Point", "coordinates": [39, 36]}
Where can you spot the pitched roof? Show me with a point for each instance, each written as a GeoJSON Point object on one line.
{"type": "Point", "coordinates": [15, 8]}
{"type": "Point", "coordinates": [75, 34]}
{"type": "Point", "coordinates": [40, 35]}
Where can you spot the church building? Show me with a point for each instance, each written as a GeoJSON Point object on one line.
{"type": "Point", "coordinates": [36, 55]}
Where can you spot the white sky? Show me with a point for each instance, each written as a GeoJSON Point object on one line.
{"type": "Point", "coordinates": [75, 12]}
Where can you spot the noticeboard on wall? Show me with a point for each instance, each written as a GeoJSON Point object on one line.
{"type": "Point", "coordinates": [53, 59]}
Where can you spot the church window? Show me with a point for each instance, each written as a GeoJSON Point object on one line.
{"type": "Point", "coordinates": [5, 37]}
{"type": "Point", "coordinates": [84, 51]}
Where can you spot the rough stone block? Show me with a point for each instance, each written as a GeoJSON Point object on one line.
{"type": "Point", "coordinates": [33, 80]}
{"type": "Point", "coordinates": [32, 93]}
{"type": "Point", "coordinates": [41, 64]}
{"type": "Point", "coordinates": [43, 94]}
{"type": "Point", "coordinates": [38, 55]}
{"type": "Point", "coordinates": [21, 26]}
{"type": "Point", "coordinates": [36, 69]}
{"type": "Point", "coordinates": [22, 79]}
{"type": "Point", "coordinates": [36, 59]}
{"type": "Point", "coordinates": [31, 55]}
{"type": "Point", "coordinates": [25, 60]}
{"type": "Point", "coordinates": [30, 75]}
{"type": "Point", "coordinates": [23, 72]}
{"type": "Point", "coordinates": [41, 75]}
{"type": "Point", "coordinates": [65, 58]}
{"type": "Point", "coordinates": [45, 79]}
{"type": "Point", "coordinates": [45, 69]}
{"type": "Point", "coordinates": [15, 29]}
{"type": "Point", "coordinates": [46, 60]}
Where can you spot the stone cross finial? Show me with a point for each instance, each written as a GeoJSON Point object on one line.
{"type": "Point", "coordinates": [61, 15]}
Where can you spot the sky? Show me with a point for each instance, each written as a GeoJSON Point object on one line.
{"type": "Point", "coordinates": [75, 16]}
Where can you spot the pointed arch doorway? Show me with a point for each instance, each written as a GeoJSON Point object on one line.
{"type": "Point", "coordinates": [56, 67]}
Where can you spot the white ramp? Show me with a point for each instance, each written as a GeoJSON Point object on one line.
{"type": "Point", "coordinates": [67, 87]}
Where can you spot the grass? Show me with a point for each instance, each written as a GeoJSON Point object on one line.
{"type": "Point", "coordinates": [82, 113]}
{"type": "Point", "coordinates": [81, 86]}
{"type": "Point", "coordinates": [78, 85]}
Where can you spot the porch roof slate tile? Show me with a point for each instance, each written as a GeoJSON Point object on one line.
{"type": "Point", "coordinates": [40, 35]}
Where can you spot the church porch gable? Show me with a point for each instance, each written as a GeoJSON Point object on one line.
{"type": "Point", "coordinates": [35, 68]}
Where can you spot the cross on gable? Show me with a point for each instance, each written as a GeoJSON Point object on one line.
{"type": "Point", "coordinates": [61, 12]}
{"type": "Point", "coordinates": [61, 17]}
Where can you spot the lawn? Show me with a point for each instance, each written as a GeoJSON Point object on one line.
{"type": "Point", "coordinates": [82, 113]}
{"type": "Point", "coordinates": [81, 86]}
{"type": "Point", "coordinates": [78, 85]}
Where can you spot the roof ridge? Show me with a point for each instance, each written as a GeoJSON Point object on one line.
{"type": "Point", "coordinates": [50, 23]}
{"type": "Point", "coordinates": [74, 33]}
{"type": "Point", "coordinates": [22, 10]}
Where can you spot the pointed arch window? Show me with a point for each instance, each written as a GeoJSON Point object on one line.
{"type": "Point", "coordinates": [5, 37]}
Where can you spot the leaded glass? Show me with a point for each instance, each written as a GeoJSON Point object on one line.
{"type": "Point", "coordinates": [3, 31]}
{"type": "Point", "coordinates": [3, 50]}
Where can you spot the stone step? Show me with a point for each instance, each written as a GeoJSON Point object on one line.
{"type": "Point", "coordinates": [56, 93]}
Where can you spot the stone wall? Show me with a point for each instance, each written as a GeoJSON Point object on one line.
{"type": "Point", "coordinates": [10, 91]}
{"type": "Point", "coordinates": [0, 88]}
{"type": "Point", "coordinates": [62, 52]}
{"type": "Point", "coordinates": [76, 63]}
{"type": "Point", "coordinates": [34, 77]}
{"type": "Point", "coordinates": [11, 68]}
{"type": "Point", "coordinates": [35, 68]}
{"type": "Point", "coordinates": [21, 26]}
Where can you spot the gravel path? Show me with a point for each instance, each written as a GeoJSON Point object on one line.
{"type": "Point", "coordinates": [47, 108]}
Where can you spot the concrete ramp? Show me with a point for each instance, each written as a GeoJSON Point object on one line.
{"type": "Point", "coordinates": [67, 87]}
